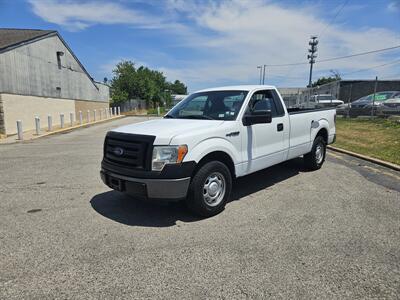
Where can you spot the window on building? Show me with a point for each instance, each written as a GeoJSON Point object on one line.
{"type": "Point", "coordinates": [58, 91]}
{"type": "Point", "coordinates": [59, 54]}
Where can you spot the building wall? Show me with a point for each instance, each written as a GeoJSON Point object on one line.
{"type": "Point", "coordinates": [26, 108]}
{"type": "Point", "coordinates": [2, 127]}
{"type": "Point", "coordinates": [351, 90]}
{"type": "Point", "coordinates": [33, 69]}
{"type": "Point", "coordinates": [84, 106]}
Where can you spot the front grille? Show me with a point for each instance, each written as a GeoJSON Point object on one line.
{"type": "Point", "coordinates": [130, 151]}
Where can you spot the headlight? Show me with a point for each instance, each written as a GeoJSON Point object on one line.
{"type": "Point", "coordinates": [163, 155]}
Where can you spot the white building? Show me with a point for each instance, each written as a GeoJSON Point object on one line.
{"type": "Point", "coordinates": [41, 76]}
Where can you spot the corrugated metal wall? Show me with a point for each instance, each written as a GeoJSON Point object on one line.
{"type": "Point", "coordinates": [33, 70]}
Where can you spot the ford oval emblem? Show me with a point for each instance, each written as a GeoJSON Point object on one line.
{"type": "Point", "coordinates": [118, 151]}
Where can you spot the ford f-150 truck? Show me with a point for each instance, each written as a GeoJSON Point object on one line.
{"type": "Point", "coordinates": [213, 136]}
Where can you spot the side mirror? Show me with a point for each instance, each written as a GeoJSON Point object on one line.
{"type": "Point", "coordinates": [257, 117]}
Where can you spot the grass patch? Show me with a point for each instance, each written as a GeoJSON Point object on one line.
{"type": "Point", "coordinates": [379, 138]}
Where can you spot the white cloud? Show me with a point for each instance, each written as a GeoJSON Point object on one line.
{"type": "Point", "coordinates": [394, 6]}
{"type": "Point", "coordinates": [80, 15]}
{"type": "Point", "coordinates": [230, 38]}
{"type": "Point", "coordinates": [253, 33]}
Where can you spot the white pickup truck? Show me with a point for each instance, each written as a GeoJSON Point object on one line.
{"type": "Point", "coordinates": [210, 138]}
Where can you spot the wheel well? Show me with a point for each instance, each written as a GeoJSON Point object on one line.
{"type": "Point", "coordinates": [218, 156]}
{"type": "Point", "coordinates": [324, 133]}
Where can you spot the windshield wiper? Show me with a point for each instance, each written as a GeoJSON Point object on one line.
{"type": "Point", "coordinates": [169, 117]}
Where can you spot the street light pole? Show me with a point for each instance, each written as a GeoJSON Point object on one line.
{"type": "Point", "coordinates": [311, 57]}
{"type": "Point", "coordinates": [263, 81]}
{"type": "Point", "coordinates": [260, 67]}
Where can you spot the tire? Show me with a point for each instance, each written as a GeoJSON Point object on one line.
{"type": "Point", "coordinates": [315, 159]}
{"type": "Point", "coordinates": [209, 189]}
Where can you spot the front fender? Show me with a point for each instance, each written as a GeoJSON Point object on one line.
{"type": "Point", "coordinates": [212, 145]}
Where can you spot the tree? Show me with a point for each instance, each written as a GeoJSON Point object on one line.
{"type": "Point", "coordinates": [143, 83]}
{"type": "Point", "coordinates": [324, 80]}
{"type": "Point", "coordinates": [178, 88]}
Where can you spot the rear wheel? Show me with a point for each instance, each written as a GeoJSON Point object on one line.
{"type": "Point", "coordinates": [315, 159]}
{"type": "Point", "coordinates": [210, 189]}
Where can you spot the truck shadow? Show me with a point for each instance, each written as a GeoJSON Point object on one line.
{"type": "Point", "coordinates": [133, 212]}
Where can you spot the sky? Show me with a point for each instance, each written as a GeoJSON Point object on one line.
{"type": "Point", "coordinates": [214, 43]}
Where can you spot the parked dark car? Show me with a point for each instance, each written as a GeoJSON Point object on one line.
{"type": "Point", "coordinates": [380, 97]}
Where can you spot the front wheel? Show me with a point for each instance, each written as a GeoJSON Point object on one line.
{"type": "Point", "coordinates": [210, 189]}
{"type": "Point", "coordinates": [315, 159]}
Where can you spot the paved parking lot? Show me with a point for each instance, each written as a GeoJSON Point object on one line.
{"type": "Point", "coordinates": [334, 233]}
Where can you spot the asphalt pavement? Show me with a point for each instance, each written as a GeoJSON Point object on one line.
{"type": "Point", "coordinates": [287, 233]}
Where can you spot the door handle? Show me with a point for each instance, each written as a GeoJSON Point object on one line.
{"type": "Point", "coordinates": [279, 127]}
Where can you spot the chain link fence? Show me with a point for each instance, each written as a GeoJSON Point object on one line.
{"type": "Point", "coordinates": [351, 98]}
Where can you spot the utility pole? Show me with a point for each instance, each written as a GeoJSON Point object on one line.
{"type": "Point", "coordinates": [263, 81]}
{"type": "Point", "coordinates": [260, 67]}
{"type": "Point", "coordinates": [311, 57]}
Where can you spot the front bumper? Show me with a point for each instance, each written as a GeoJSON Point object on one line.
{"type": "Point", "coordinates": [170, 189]}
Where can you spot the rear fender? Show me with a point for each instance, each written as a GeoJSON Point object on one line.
{"type": "Point", "coordinates": [315, 128]}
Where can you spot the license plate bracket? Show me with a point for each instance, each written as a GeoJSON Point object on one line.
{"type": "Point", "coordinates": [116, 183]}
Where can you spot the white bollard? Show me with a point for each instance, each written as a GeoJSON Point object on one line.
{"type": "Point", "coordinates": [88, 116]}
{"type": "Point", "coordinates": [94, 116]}
{"type": "Point", "coordinates": [19, 130]}
{"type": "Point", "coordinates": [80, 117]}
{"type": "Point", "coordinates": [119, 110]}
{"type": "Point", "coordinates": [158, 110]}
{"type": "Point", "coordinates": [114, 111]}
{"type": "Point", "coordinates": [110, 112]}
{"type": "Point", "coordinates": [49, 123]}
{"type": "Point", "coordinates": [62, 120]}
{"type": "Point", "coordinates": [37, 125]}
{"type": "Point", "coordinates": [101, 114]}
{"type": "Point", "coordinates": [71, 118]}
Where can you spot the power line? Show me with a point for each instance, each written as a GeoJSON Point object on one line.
{"type": "Point", "coordinates": [326, 26]}
{"type": "Point", "coordinates": [334, 17]}
{"type": "Point", "coordinates": [336, 58]}
{"type": "Point", "coordinates": [344, 74]}
{"type": "Point", "coordinates": [374, 67]}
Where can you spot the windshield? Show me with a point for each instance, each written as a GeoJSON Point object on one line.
{"type": "Point", "coordinates": [213, 105]}
{"type": "Point", "coordinates": [381, 96]}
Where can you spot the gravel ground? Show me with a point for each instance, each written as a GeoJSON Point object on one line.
{"type": "Point", "coordinates": [287, 233]}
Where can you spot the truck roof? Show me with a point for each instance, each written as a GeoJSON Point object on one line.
{"type": "Point", "coordinates": [238, 88]}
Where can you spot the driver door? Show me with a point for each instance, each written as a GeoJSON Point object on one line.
{"type": "Point", "coordinates": [264, 143]}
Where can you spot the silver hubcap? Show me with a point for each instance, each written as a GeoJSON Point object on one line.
{"type": "Point", "coordinates": [319, 153]}
{"type": "Point", "coordinates": [214, 189]}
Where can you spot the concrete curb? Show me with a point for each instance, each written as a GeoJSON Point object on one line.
{"type": "Point", "coordinates": [367, 158]}
{"type": "Point", "coordinates": [67, 129]}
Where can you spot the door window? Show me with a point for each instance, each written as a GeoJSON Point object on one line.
{"type": "Point", "coordinates": [263, 100]}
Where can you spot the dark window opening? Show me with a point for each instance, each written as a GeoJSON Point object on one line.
{"type": "Point", "coordinates": [59, 54]}
{"type": "Point", "coordinates": [265, 100]}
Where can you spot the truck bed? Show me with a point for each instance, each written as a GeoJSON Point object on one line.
{"type": "Point", "coordinates": [303, 123]}
{"type": "Point", "coordinates": [298, 110]}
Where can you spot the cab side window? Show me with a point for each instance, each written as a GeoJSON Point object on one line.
{"type": "Point", "coordinates": [280, 111]}
{"type": "Point", "coordinates": [263, 100]}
